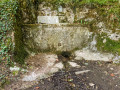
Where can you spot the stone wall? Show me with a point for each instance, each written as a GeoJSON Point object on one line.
{"type": "Point", "coordinates": [66, 30]}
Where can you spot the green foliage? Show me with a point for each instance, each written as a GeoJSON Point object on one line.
{"type": "Point", "coordinates": [97, 1]}
{"type": "Point", "coordinates": [78, 2]}
{"type": "Point", "coordinates": [109, 46]}
{"type": "Point", "coordinates": [10, 21]}
{"type": "Point", "coordinates": [8, 25]}
{"type": "Point", "coordinates": [110, 13]}
{"type": "Point", "coordinates": [29, 7]}
{"type": "Point", "coordinates": [19, 52]}
{"type": "Point", "coordinates": [7, 19]}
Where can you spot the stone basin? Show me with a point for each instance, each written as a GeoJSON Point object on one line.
{"type": "Point", "coordinates": [58, 38]}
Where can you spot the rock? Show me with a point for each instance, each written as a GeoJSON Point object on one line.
{"type": "Point", "coordinates": [70, 15]}
{"type": "Point", "coordinates": [116, 59]}
{"type": "Point", "coordinates": [95, 56]}
{"type": "Point", "coordinates": [32, 54]}
{"type": "Point", "coordinates": [26, 20]}
{"type": "Point", "coordinates": [73, 64]}
{"type": "Point", "coordinates": [86, 64]}
{"type": "Point", "coordinates": [48, 19]}
{"type": "Point", "coordinates": [111, 68]}
{"type": "Point", "coordinates": [81, 72]}
{"type": "Point", "coordinates": [15, 68]}
{"type": "Point", "coordinates": [51, 59]}
{"type": "Point", "coordinates": [91, 84]}
{"type": "Point", "coordinates": [104, 41]}
{"type": "Point", "coordinates": [89, 19]}
{"type": "Point", "coordinates": [78, 58]}
{"type": "Point", "coordinates": [60, 9]}
{"type": "Point", "coordinates": [101, 25]}
{"type": "Point", "coordinates": [81, 14]}
{"type": "Point", "coordinates": [59, 38]}
{"type": "Point", "coordinates": [114, 36]}
{"type": "Point", "coordinates": [56, 67]}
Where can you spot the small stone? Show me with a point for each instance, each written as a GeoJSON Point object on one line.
{"type": "Point", "coordinates": [49, 79]}
{"type": "Point", "coordinates": [91, 84]}
{"type": "Point", "coordinates": [73, 64]}
{"type": "Point", "coordinates": [48, 19]}
{"type": "Point", "coordinates": [104, 41]}
{"type": "Point", "coordinates": [100, 25]}
{"type": "Point", "coordinates": [111, 68]}
{"type": "Point", "coordinates": [81, 72]}
{"type": "Point", "coordinates": [15, 68]}
{"type": "Point", "coordinates": [70, 80]}
{"type": "Point", "coordinates": [32, 54]}
{"type": "Point", "coordinates": [86, 64]}
{"type": "Point", "coordinates": [59, 65]}
{"type": "Point", "coordinates": [89, 19]}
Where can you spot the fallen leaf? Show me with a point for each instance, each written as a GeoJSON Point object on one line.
{"type": "Point", "coordinates": [37, 87]}
{"type": "Point", "coordinates": [112, 74]}
{"type": "Point", "coordinates": [3, 58]}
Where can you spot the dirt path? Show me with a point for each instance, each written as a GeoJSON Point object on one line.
{"type": "Point", "coordinates": [102, 76]}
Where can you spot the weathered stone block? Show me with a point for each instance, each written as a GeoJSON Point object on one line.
{"type": "Point", "coordinates": [60, 38]}
{"type": "Point", "coordinates": [48, 19]}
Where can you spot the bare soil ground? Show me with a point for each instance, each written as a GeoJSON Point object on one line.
{"type": "Point", "coordinates": [102, 76]}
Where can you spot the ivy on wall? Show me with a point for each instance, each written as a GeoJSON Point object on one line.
{"type": "Point", "coordinates": [7, 19]}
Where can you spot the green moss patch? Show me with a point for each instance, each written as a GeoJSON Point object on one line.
{"type": "Point", "coordinates": [109, 46]}
{"type": "Point", "coordinates": [19, 53]}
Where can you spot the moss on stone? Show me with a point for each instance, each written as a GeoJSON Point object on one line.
{"type": "Point", "coordinates": [19, 50]}
{"type": "Point", "coordinates": [109, 46]}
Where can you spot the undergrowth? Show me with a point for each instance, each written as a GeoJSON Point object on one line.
{"type": "Point", "coordinates": [78, 2]}
{"type": "Point", "coordinates": [7, 19]}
